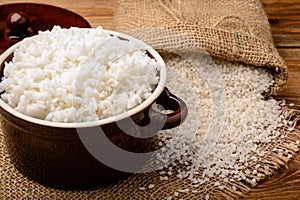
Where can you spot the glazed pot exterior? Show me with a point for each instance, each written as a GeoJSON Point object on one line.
{"type": "Point", "coordinates": [56, 157]}
{"type": "Point", "coordinates": [60, 157]}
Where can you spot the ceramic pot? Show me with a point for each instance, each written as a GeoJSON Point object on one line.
{"type": "Point", "coordinates": [89, 154]}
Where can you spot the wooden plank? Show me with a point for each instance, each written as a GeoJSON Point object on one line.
{"type": "Point", "coordinates": [276, 2]}
{"type": "Point", "coordinates": [287, 40]}
{"type": "Point", "coordinates": [286, 27]}
{"type": "Point", "coordinates": [284, 16]}
{"type": "Point", "coordinates": [290, 54]}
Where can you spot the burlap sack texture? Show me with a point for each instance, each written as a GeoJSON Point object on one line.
{"type": "Point", "coordinates": [235, 30]}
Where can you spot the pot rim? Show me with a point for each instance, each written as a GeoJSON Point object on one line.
{"type": "Point", "coordinates": [146, 103]}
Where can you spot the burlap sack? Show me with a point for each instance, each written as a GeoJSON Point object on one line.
{"type": "Point", "coordinates": [235, 30]}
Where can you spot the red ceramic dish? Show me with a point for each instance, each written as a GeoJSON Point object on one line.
{"type": "Point", "coordinates": [41, 17]}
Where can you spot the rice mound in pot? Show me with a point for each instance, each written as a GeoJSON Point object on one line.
{"type": "Point", "coordinates": [78, 75]}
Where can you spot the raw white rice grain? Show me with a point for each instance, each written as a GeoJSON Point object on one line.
{"type": "Point", "coordinates": [291, 104]}
{"type": "Point", "coordinates": [151, 186]}
{"type": "Point", "coordinates": [251, 123]}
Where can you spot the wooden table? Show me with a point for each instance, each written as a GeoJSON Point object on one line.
{"type": "Point", "coordinates": [284, 16]}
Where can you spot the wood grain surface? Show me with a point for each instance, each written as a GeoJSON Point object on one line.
{"type": "Point", "coordinates": [284, 16]}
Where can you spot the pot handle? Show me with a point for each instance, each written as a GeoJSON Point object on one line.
{"type": "Point", "coordinates": [176, 106]}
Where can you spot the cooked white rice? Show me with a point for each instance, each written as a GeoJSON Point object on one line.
{"type": "Point", "coordinates": [78, 75]}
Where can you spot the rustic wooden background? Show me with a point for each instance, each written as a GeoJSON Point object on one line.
{"type": "Point", "coordinates": [284, 16]}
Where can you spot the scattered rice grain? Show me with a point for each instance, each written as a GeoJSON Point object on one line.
{"type": "Point", "coordinates": [250, 122]}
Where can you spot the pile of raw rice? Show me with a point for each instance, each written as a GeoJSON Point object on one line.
{"type": "Point", "coordinates": [78, 75]}
{"type": "Point", "coordinates": [253, 139]}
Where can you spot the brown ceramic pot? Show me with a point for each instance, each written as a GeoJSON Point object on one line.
{"type": "Point", "coordinates": [91, 154]}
